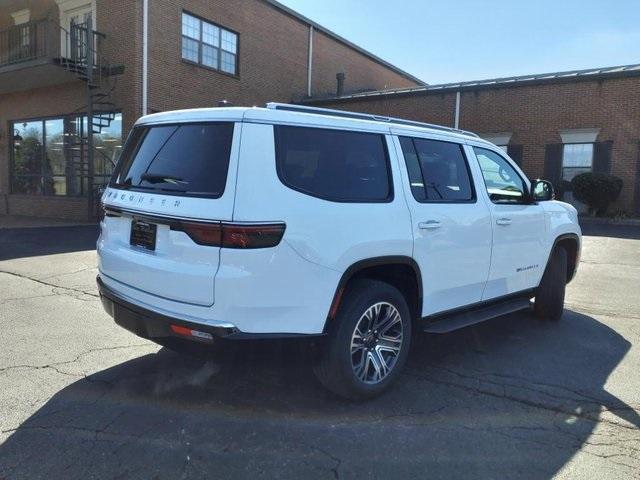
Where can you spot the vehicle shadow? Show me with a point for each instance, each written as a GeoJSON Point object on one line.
{"type": "Point", "coordinates": [38, 241]}
{"type": "Point", "coordinates": [511, 398]}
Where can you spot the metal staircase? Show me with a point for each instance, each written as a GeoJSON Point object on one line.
{"type": "Point", "coordinates": [81, 54]}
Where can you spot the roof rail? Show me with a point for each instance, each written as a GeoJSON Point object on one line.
{"type": "Point", "coordinates": [364, 116]}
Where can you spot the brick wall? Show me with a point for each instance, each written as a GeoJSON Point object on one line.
{"type": "Point", "coordinates": [534, 114]}
{"type": "Point", "coordinates": [270, 67]}
{"type": "Point", "coordinates": [273, 58]}
{"type": "Point", "coordinates": [30, 104]}
{"type": "Point", "coordinates": [331, 57]}
{"type": "Point", "coordinates": [39, 9]}
{"type": "Point", "coordinates": [121, 22]}
{"type": "Point", "coordinates": [116, 19]}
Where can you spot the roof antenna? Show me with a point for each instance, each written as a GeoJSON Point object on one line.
{"type": "Point", "coordinates": [225, 103]}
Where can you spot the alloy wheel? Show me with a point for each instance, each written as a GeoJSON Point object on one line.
{"type": "Point", "coordinates": [376, 343]}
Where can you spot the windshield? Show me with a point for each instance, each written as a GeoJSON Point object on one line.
{"type": "Point", "coordinates": [190, 159]}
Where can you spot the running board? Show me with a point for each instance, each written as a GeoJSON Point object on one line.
{"type": "Point", "coordinates": [445, 323]}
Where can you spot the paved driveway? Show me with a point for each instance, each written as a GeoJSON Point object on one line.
{"type": "Point", "coordinates": [512, 398]}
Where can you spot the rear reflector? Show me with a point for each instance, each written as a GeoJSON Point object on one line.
{"type": "Point", "coordinates": [233, 235]}
{"type": "Point", "coordinates": [187, 332]}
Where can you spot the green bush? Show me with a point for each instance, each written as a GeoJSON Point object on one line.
{"type": "Point", "coordinates": [561, 187]}
{"type": "Point", "coordinates": [597, 190]}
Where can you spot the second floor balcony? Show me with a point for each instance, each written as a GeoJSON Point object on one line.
{"type": "Point", "coordinates": [41, 53]}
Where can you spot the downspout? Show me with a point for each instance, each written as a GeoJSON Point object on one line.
{"type": "Point", "coordinates": [310, 61]}
{"type": "Point", "coordinates": [145, 55]}
{"type": "Point", "coordinates": [456, 121]}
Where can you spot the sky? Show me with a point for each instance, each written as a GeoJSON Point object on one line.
{"type": "Point", "coordinates": [449, 41]}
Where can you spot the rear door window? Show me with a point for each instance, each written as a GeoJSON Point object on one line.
{"type": "Point", "coordinates": [335, 165]}
{"type": "Point", "coordinates": [187, 159]}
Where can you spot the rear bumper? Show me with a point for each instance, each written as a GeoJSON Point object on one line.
{"type": "Point", "coordinates": [152, 325]}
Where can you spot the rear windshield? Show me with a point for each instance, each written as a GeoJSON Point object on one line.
{"type": "Point", "coordinates": [187, 159]}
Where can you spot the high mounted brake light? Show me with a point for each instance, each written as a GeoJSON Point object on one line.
{"type": "Point", "coordinates": [233, 235]}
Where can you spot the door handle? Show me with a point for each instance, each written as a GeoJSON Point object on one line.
{"type": "Point", "coordinates": [429, 225]}
{"type": "Point", "coordinates": [503, 221]}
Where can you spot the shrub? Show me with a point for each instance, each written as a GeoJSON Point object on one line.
{"type": "Point", "coordinates": [597, 190]}
{"type": "Point", "coordinates": [561, 187]}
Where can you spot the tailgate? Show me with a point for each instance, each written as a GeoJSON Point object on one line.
{"type": "Point", "coordinates": [168, 175]}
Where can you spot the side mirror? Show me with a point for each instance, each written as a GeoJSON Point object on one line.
{"type": "Point", "coordinates": [542, 191]}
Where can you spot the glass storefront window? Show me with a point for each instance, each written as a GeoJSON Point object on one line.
{"type": "Point", "coordinates": [108, 146]}
{"type": "Point", "coordinates": [50, 156]}
{"type": "Point", "coordinates": [27, 157]}
{"type": "Point", "coordinates": [55, 162]}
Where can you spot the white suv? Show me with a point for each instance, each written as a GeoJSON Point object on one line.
{"type": "Point", "coordinates": [354, 229]}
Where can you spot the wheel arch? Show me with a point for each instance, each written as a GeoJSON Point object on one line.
{"type": "Point", "coordinates": [400, 271]}
{"type": "Point", "coordinates": [571, 243]}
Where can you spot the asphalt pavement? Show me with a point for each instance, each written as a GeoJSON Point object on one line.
{"type": "Point", "coordinates": [511, 398]}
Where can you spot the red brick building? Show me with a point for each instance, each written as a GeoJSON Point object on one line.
{"type": "Point", "coordinates": [60, 80]}
{"type": "Point", "coordinates": [556, 125]}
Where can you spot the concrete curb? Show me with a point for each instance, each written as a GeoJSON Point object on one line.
{"type": "Point", "coordinates": [608, 221]}
{"type": "Point", "coordinates": [15, 222]}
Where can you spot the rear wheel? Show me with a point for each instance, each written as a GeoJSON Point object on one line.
{"type": "Point", "coordinates": [549, 302]}
{"type": "Point", "coordinates": [368, 341]}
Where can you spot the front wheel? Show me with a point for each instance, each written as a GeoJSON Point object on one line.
{"type": "Point", "coordinates": [368, 341]}
{"type": "Point", "coordinates": [549, 302]}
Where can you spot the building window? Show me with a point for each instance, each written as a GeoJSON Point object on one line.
{"type": "Point", "coordinates": [577, 158]}
{"type": "Point", "coordinates": [49, 156]}
{"type": "Point", "coordinates": [209, 45]}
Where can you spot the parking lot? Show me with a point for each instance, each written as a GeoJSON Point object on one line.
{"type": "Point", "coordinates": [510, 398]}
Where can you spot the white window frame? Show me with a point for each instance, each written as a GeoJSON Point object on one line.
{"type": "Point", "coordinates": [578, 136]}
{"type": "Point", "coordinates": [564, 167]}
{"type": "Point", "coordinates": [201, 43]}
{"type": "Point", "coordinates": [68, 10]}
{"type": "Point", "coordinates": [21, 16]}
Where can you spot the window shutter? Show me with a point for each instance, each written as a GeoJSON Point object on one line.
{"type": "Point", "coordinates": [515, 152]}
{"type": "Point", "coordinates": [637, 189]}
{"type": "Point", "coordinates": [602, 157]}
{"type": "Point", "coordinates": [553, 164]}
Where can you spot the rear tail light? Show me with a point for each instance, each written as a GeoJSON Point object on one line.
{"type": "Point", "coordinates": [233, 235]}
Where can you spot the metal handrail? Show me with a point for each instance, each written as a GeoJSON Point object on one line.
{"type": "Point", "coordinates": [47, 39]}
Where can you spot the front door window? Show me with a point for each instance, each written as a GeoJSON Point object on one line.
{"type": "Point", "coordinates": [503, 183]}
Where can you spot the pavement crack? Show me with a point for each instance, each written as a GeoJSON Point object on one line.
{"type": "Point", "coordinates": [534, 386]}
{"type": "Point", "coordinates": [524, 401]}
{"type": "Point", "coordinates": [18, 299]}
{"type": "Point", "coordinates": [52, 285]}
{"type": "Point", "coordinates": [55, 366]}
{"type": "Point", "coordinates": [338, 462]}
{"type": "Point", "coordinates": [506, 432]}
{"type": "Point", "coordinates": [83, 269]}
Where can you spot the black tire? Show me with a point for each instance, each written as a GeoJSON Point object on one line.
{"type": "Point", "coordinates": [334, 367]}
{"type": "Point", "coordinates": [549, 302]}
